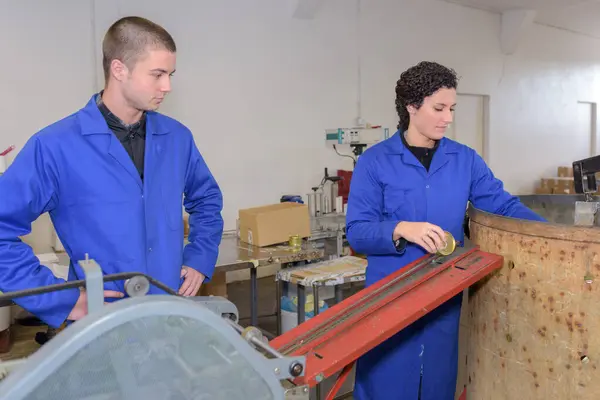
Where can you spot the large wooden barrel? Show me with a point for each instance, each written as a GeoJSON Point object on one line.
{"type": "Point", "coordinates": [534, 326]}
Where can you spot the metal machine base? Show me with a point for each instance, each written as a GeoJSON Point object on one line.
{"type": "Point", "coordinates": [585, 213]}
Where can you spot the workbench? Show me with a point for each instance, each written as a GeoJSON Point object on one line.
{"type": "Point", "coordinates": [235, 255]}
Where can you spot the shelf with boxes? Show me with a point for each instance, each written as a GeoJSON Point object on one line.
{"type": "Point", "coordinates": [562, 183]}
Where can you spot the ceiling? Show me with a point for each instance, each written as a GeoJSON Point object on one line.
{"type": "Point", "coordinates": [580, 16]}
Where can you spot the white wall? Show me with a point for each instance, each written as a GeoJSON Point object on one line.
{"type": "Point", "coordinates": [46, 73]}
{"type": "Point", "coordinates": [264, 86]}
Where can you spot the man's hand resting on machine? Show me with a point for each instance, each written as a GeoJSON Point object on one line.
{"type": "Point", "coordinates": [192, 281]}
{"type": "Point", "coordinates": [430, 237]}
{"type": "Point", "coordinates": [81, 307]}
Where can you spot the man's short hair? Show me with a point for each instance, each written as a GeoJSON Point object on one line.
{"type": "Point", "coordinates": [128, 38]}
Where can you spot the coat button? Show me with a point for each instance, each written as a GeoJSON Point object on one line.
{"type": "Point", "coordinates": [150, 249]}
{"type": "Point", "coordinates": [427, 187]}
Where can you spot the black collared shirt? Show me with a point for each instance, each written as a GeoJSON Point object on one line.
{"type": "Point", "coordinates": [132, 137]}
{"type": "Point", "coordinates": [423, 154]}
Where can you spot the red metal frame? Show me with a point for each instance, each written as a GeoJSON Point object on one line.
{"type": "Point", "coordinates": [363, 330]}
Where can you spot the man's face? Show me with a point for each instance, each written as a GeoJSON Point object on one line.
{"type": "Point", "coordinates": [146, 84]}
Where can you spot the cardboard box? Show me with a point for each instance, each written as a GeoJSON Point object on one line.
{"type": "Point", "coordinates": [186, 225]}
{"type": "Point", "coordinates": [565, 185]}
{"type": "Point", "coordinates": [565, 172]}
{"type": "Point", "coordinates": [272, 224]}
{"type": "Point", "coordinates": [542, 190]}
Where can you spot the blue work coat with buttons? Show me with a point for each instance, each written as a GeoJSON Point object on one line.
{"type": "Point", "coordinates": [390, 185]}
{"type": "Point", "coordinates": [79, 172]}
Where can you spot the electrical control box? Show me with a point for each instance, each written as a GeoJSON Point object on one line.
{"type": "Point", "coordinates": [355, 136]}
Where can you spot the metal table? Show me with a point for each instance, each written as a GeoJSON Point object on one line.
{"type": "Point", "coordinates": [334, 273]}
{"type": "Point", "coordinates": [235, 255]}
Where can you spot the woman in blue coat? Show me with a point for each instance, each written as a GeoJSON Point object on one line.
{"type": "Point", "coordinates": [405, 192]}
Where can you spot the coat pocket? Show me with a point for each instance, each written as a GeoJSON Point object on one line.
{"type": "Point", "coordinates": [173, 208]}
{"type": "Point", "coordinates": [398, 205]}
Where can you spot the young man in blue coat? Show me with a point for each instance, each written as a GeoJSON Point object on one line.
{"type": "Point", "coordinates": [404, 193]}
{"type": "Point", "coordinates": [113, 177]}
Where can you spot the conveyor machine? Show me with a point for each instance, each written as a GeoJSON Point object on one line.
{"type": "Point", "coordinates": [169, 347]}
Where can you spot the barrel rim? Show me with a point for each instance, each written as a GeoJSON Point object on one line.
{"type": "Point", "coordinates": [546, 230]}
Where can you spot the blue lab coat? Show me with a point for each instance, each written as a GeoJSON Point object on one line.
{"type": "Point", "coordinates": [79, 172]}
{"type": "Point", "coordinates": [390, 185]}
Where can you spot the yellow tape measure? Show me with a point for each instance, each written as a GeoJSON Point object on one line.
{"type": "Point", "coordinates": [450, 245]}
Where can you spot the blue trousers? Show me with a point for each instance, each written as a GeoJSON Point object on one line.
{"type": "Point", "coordinates": [418, 363]}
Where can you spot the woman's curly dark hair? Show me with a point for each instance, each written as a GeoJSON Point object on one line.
{"type": "Point", "coordinates": [418, 82]}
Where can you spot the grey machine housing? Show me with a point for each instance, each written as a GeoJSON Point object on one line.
{"type": "Point", "coordinates": [153, 347]}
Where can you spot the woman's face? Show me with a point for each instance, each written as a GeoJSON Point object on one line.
{"type": "Point", "coordinates": [436, 113]}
